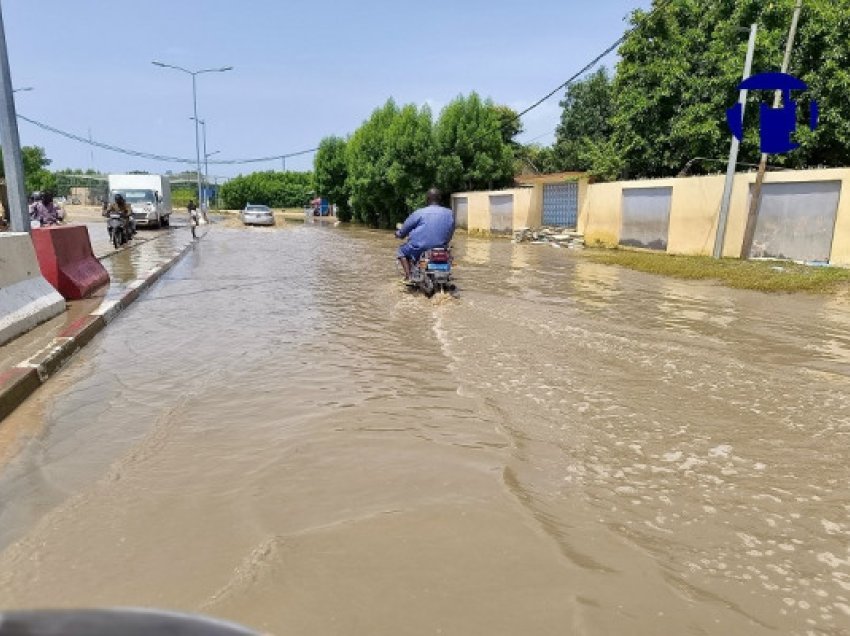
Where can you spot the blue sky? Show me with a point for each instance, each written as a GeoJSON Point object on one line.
{"type": "Point", "coordinates": [302, 70]}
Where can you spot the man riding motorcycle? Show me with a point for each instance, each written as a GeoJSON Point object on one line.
{"type": "Point", "coordinates": [123, 208]}
{"type": "Point", "coordinates": [428, 227]}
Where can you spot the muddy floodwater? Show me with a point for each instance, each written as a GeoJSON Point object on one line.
{"type": "Point", "coordinates": [277, 434]}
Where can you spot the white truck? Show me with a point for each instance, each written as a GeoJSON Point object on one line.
{"type": "Point", "coordinates": [149, 195]}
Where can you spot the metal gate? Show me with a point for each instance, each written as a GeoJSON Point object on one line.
{"type": "Point", "coordinates": [501, 212]}
{"type": "Point", "coordinates": [797, 220]}
{"type": "Point", "coordinates": [646, 217]}
{"type": "Point", "coordinates": [461, 210]}
{"type": "Point", "coordinates": [560, 204]}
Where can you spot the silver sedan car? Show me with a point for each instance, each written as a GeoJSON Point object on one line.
{"type": "Point", "coordinates": [257, 215]}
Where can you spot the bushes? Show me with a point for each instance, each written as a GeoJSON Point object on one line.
{"type": "Point", "coordinates": [275, 189]}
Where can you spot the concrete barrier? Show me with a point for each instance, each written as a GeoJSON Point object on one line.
{"type": "Point", "coordinates": [67, 260]}
{"type": "Point", "coordinates": [26, 298]}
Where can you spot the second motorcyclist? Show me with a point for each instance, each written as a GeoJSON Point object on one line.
{"type": "Point", "coordinates": [123, 208]}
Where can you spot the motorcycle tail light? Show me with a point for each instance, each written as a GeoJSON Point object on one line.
{"type": "Point", "coordinates": [439, 257]}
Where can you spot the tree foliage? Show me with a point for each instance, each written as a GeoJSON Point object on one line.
{"type": "Point", "coordinates": [679, 71]}
{"type": "Point", "coordinates": [585, 122]}
{"type": "Point", "coordinates": [471, 147]}
{"type": "Point", "coordinates": [332, 175]}
{"type": "Point", "coordinates": [275, 189]}
{"type": "Point", "coordinates": [536, 159]}
{"type": "Point", "coordinates": [36, 175]}
{"type": "Point", "coordinates": [390, 164]}
{"type": "Point", "coordinates": [395, 156]}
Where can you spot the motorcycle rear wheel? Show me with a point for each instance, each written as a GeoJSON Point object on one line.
{"type": "Point", "coordinates": [427, 286]}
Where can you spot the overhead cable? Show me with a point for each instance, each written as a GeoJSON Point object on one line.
{"type": "Point", "coordinates": [156, 157]}
{"type": "Point", "coordinates": [661, 5]}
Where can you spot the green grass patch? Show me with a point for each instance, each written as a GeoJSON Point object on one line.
{"type": "Point", "coordinates": [769, 276]}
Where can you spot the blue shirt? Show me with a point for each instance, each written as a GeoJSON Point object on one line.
{"type": "Point", "coordinates": [429, 227]}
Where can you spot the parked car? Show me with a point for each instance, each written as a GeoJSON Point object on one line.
{"type": "Point", "coordinates": [257, 215]}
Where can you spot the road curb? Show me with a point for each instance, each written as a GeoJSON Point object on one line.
{"type": "Point", "coordinates": [22, 380]}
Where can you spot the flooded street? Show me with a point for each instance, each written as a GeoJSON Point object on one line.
{"type": "Point", "coordinates": [278, 435]}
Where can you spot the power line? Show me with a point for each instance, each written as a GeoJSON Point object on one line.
{"type": "Point", "coordinates": [153, 156]}
{"type": "Point", "coordinates": [661, 5]}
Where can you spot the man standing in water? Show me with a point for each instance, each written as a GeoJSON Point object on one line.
{"type": "Point", "coordinates": [431, 226]}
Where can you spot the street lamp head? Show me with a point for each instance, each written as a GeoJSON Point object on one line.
{"type": "Point", "coordinates": [155, 63]}
{"type": "Point", "coordinates": [22, 90]}
{"type": "Point", "coordinates": [214, 70]}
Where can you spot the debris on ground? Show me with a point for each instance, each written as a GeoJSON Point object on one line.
{"type": "Point", "coordinates": [554, 236]}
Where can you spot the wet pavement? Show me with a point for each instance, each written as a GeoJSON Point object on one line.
{"type": "Point", "coordinates": [279, 435]}
{"type": "Point", "coordinates": [124, 265]}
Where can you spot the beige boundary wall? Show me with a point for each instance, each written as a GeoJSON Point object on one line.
{"type": "Point", "coordinates": [695, 206]}
{"type": "Point", "coordinates": [528, 201]}
{"type": "Point", "coordinates": [528, 204]}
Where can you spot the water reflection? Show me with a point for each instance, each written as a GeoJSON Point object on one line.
{"type": "Point", "coordinates": [474, 250]}
{"type": "Point", "coordinates": [595, 286]}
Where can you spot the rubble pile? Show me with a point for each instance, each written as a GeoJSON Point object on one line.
{"type": "Point", "coordinates": [555, 236]}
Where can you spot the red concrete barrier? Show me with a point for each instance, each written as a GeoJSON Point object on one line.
{"type": "Point", "coordinates": [67, 262]}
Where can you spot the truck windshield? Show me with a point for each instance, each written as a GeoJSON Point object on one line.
{"type": "Point", "coordinates": [137, 196]}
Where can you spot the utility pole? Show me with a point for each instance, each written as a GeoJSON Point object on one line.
{"type": "Point", "coordinates": [755, 202]}
{"type": "Point", "coordinates": [12, 163]}
{"type": "Point", "coordinates": [723, 217]}
{"type": "Point", "coordinates": [283, 162]}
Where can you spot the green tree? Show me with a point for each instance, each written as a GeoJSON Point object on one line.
{"type": "Point", "coordinates": [585, 122]}
{"type": "Point", "coordinates": [679, 70]}
{"type": "Point", "coordinates": [390, 162]}
{"type": "Point", "coordinates": [536, 159]}
{"type": "Point", "coordinates": [409, 156]}
{"type": "Point", "coordinates": [331, 173]}
{"type": "Point", "coordinates": [509, 123]}
{"type": "Point", "coordinates": [371, 191]}
{"type": "Point", "coordinates": [471, 148]}
{"type": "Point", "coordinates": [275, 189]}
{"type": "Point", "coordinates": [36, 174]}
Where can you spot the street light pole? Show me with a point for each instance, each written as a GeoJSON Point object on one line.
{"type": "Point", "coordinates": [197, 144]}
{"type": "Point", "coordinates": [194, 75]}
{"type": "Point", "coordinates": [12, 163]}
{"type": "Point", "coordinates": [202, 197]}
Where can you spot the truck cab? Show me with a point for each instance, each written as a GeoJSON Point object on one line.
{"type": "Point", "coordinates": [149, 196]}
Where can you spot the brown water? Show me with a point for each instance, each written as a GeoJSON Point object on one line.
{"type": "Point", "coordinates": [278, 435]}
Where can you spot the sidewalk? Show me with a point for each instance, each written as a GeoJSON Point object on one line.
{"type": "Point", "coordinates": [29, 360]}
